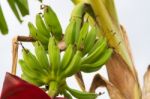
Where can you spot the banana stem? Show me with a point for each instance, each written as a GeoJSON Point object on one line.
{"type": "Point", "coordinates": [53, 89]}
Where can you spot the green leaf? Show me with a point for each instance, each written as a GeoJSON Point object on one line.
{"type": "Point", "coordinates": [14, 9]}
{"type": "Point", "coordinates": [3, 25]}
{"type": "Point", "coordinates": [23, 7]}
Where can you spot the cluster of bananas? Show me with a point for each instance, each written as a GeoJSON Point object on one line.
{"type": "Point", "coordinates": [52, 72]}
{"type": "Point", "coordinates": [94, 51]}
{"type": "Point", "coordinates": [84, 52]}
{"type": "Point", "coordinates": [46, 26]}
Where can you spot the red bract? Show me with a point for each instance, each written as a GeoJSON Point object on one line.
{"type": "Point", "coordinates": [16, 88]}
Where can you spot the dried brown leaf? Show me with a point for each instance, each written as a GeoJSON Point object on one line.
{"type": "Point", "coordinates": [146, 87]}
{"type": "Point", "coordinates": [80, 80]}
{"type": "Point", "coordinates": [99, 81]}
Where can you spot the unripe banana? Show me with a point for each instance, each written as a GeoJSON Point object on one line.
{"type": "Point", "coordinates": [95, 54]}
{"type": "Point", "coordinates": [41, 26]}
{"type": "Point", "coordinates": [96, 45]}
{"type": "Point", "coordinates": [77, 15]}
{"type": "Point", "coordinates": [74, 65]}
{"type": "Point", "coordinates": [67, 57]}
{"type": "Point", "coordinates": [90, 40]}
{"type": "Point", "coordinates": [32, 74]}
{"type": "Point", "coordinates": [99, 63]}
{"type": "Point", "coordinates": [70, 33]}
{"type": "Point", "coordinates": [41, 55]}
{"type": "Point", "coordinates": [32, 30]}
{"type": "Point", "coordinates": [78, 27]}
{"type": "Point", "coordinates": [82, 35]}
{"type": "Point", "coordinates": [26, 70]}
{"type": "Point", "coordinates": [52, 22]}
{"type": "Point", "coordinates": [37, 35]}
{"type": "Point", "coordinates": [82, 95]}
{"type": "Point", "coordinates": [31, 61]}
{"type": "Point", "coordinates": [54, 55]}
{"type": "Point", "coordinates": [32, 81]}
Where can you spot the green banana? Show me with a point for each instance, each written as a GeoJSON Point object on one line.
{"type": "Point", "coordinates": [77, 15]}
{"type": "Point", "coordinates": [31, 60]}
{"type": "Point", "coordinates": [32, 30]}
{"type": "Point", "coordinates": [37, 35]}
{"type": "Point", "coordinates": [70, 33]}
{"type": "Point", "coordinates": [74, 65]}
{"type": "Point", "coordinates": [82, 95]}
{"type": "Point", "coordinates": [99, 63]}
{"type": "Point", "coordinates": [90, 40]}
{"type": "Point", "coordinates": [97, 44]}
{"type": "Point", "coordinates": [32, 74]}
{"type": "Point", "coordinates": [26, 70]}
{"type": "Point", "coordinates": [41, 25]}
{"type": "Point", "coordinates": [41, 55]}
{"type": "Point", "coordinates": [23, 7]}
{"type": "Point", "coordinates": [34, 82]}
{"type": "Point", "coordinates": [52, 22]}
{"type": "Point", "coordinates": [82, 35]}
{"type": "Point", "coordinates": [95, 54]}
{"type": "Point", "coordinates": [3, 25]}
{"type": "Point", "coordinates": [78, 27]}
{"type": "Point", "coordinates": [54, 55]}
{"type": "Point", "coordinates": [67, 57]}
{"type": "Point", "coordinates": [14, 9]}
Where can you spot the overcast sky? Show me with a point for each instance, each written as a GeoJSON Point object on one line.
{"type": "Point", "coordinates": [133, 14]}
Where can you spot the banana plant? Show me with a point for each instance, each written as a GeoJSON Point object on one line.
{"type": "Point", "coordinates": [93, 38]}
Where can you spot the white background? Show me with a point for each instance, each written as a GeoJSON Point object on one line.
{"type": "Point", "coordinates": [133, 14]}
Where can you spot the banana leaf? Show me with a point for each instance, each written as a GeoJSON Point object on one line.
{"type": "Point", "coordinates": [99, 81]}
{"type": "Point", "coordinates": [20, 9]}
{"type": "Point", "coordinates": [3, 25]}
{"type": "Point", "coordinates": [146, 87]}
{"type": "Point", "coordinates": [23, 7]}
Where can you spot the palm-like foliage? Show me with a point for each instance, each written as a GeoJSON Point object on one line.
{"type": "Point", "coordinates": [20, 9]}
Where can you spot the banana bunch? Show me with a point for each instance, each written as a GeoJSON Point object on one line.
{"type": "Point", "coordinates": [95, 51]}
{"type": "Point", "coordinates": [46, 27]}
{"type": "Point", "coordinates": [96, 57]}
{"type": "Point", "coordinates": [83, 36]}
{"type": "Point", "coordinates": [35, 67]}
{"type": "Point", "coordinates": [49, 66]}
